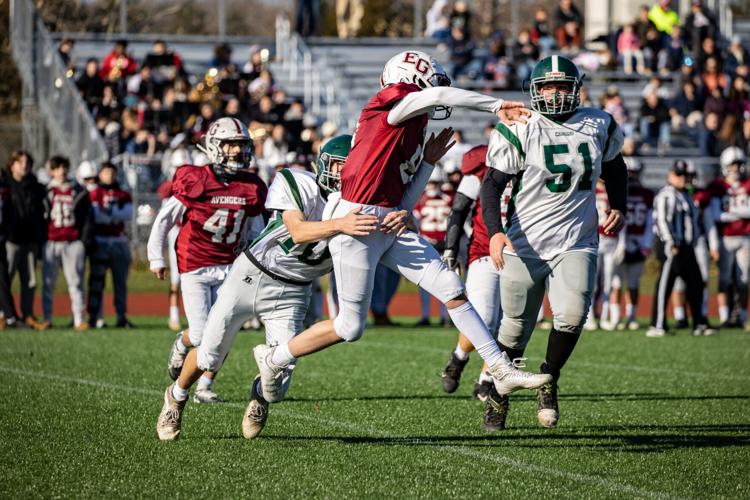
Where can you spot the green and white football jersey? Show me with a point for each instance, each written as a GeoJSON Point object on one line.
{"type": "Point", "coordinates": [553, 207]}
{"type": "Point", "coordinates": [274, 249]}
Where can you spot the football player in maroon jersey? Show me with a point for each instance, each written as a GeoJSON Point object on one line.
{"type": "Point", "coordinates": [216, 206]}
{"type": "Point", "coordinates": [384, 175]}
{"type": "Point", "coordinates": [69, 233]}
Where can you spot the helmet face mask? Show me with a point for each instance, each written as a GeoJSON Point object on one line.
{"type": "Point", "coordinates": [420, 69]}
{"type": "Point", "coordinates": [561, 74]}
{"type": "Point", "coordinates": [228, 146]}
{"type": "Point", "coordinates": [330, 162]}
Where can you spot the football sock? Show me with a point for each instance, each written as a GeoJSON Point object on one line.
{"type": "Point", "coordinates": [460, 353]}
{"type": "Point", "coordinates": [605, 310]}
{"type": "Point", "coordinates": [174, 314]}
{"type": "Point", "coordinates": [614, 314]}
{"type": "Point", "coordinates": [485, 377]}
{"type": "Point", "coordinates": [560, 346]}
{"type": "Point", "coordinates": [282, 356]}
{"type": "Point", "coordinates": [179, 393]}
{"type": "Point", "coordinates": [205, 382]}
{"type": "Point", "coordinates": [679, 312]}
{"type": "Point", "coordinates": [723, 314]}
{"type": "Point", "coordinates": [468, 322]}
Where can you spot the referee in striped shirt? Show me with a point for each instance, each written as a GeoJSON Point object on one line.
{"type": "Point", "coordinates": [676, 232]}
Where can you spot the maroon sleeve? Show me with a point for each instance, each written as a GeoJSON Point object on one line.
{"type": "Point", "coordinates": [188, 183]}
{"type": "Point", "coordinates": [473, 161]}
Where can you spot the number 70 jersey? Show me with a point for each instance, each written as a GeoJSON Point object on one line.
{"type": "Point", "coordinates": [553, 205]}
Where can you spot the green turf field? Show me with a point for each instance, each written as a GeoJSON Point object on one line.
{"type": "Point", "coordinates": [639, 418]}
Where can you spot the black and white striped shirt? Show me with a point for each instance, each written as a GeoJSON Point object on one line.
{"type": "Point", "coordinates": [675, 217]}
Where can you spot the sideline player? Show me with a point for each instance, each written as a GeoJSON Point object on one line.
{"type": "Point", "coordinates": [271, 279]}
{"type": "Point", "coordinates": [70, 230]}
{"type": "Point", "coordinates": [730, 207]}
{"type": "Point", "coordinates": [214, 205]}
{"type": "Point", "coordinates": [482, 279]}
{"type": "Point", "coordinates": [638, 241]}
{"type": "Point", "coordinates": [611, 254]}
{"type": "Point", "coordinates": [379, 178]}
{"type": "Point", "coordinates": [555, 159]}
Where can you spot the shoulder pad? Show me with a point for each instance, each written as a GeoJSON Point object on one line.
{"type": "Point", "coordinates": [474, 161]}
{"type": "Point", "coordinates": [190, 182]}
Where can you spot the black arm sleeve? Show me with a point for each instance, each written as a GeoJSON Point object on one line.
{"type": "Point", "coordinates": [491, 195]}
{"type": "Point", "coordinates": [615, 177]}
{"type": "Point", "coordinates": [459, 212]}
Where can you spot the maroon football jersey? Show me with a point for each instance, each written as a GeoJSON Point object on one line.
{"type": "Point", "coordinates": [104, 198]}
{"type": "Point", "coordinates": [732, 195]}
{"type": "Point", "coordinates": [383, 156]}
{"type": "Point", "coordinates": [639, 201]}
{"type": "Point", "coordinates": [165, 190]}
{"type": "Point", "coordinates": [433, 211]}
{"type": "Point", "coordinates": [215, 215]}
{"type": "Point", "coordinates": [61, 225]}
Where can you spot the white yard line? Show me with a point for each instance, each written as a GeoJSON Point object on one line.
{"type": "Point", "coordinates": [358, 428]}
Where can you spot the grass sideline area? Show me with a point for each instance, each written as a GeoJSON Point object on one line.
{"type": "Point", "coordinates": [640, 417]}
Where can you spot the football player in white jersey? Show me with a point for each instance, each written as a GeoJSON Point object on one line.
{"type": "Point", "coordinates": [550, 232]}
{"type": "Point", "coordinates": [272, 278]}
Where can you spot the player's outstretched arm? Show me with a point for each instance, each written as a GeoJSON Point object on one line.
{"type": "Point", "coordinates": [417, 103]}
{"type": "Point", "coordinates": [169, 215]}
{"type": "Point", "coordinates": [304, 231]}
{"type": "Point", "coordinates": [434, 149]}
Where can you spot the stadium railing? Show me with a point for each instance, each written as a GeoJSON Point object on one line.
{"type": "Point", "coordinates": [72, 131]}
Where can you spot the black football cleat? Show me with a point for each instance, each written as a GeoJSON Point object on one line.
{"type": "Point", "coordinates": [495, 411]}
{"type": "Point", "coordinates": [451, 375]}
{"type": "Point", "coordinates": [547, 411]}
{"type": "Point", "coordinates": [482, 390]}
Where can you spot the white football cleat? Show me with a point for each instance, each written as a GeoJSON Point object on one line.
{"type": "Point", "coordinates": [633, 325]}
{"type": "Point", "coordinates": [204, 395]}
{"type": "Point", "coordinates": [607, 326]}
{"type": "Point", "coordinates": [590, 325]}
{"type": "Point", "coordinates": [271, 375]}
{"type": "Point", "coordinates": [256, 413]}
{"type": "Point", "coordinates": [508, 378]}
{"type": "Point", "coordinates": [169, 425]}
{"type": "Point", "coordinates": [655, 332]}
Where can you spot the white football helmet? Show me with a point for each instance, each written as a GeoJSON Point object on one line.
{"type": "Point", "coordinates": [418, 68]}
{"type": "Point", "coordinates": [85, 170]}
{"type": "Point", "coordinates": [228, 130]}
{"type": "Point", "coordinates": [729, 157]}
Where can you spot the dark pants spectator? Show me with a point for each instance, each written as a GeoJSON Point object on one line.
{"type": "Point", "coordinates": [115, 256]}
{"type": "Point", "coordinates": [6, 299]}
{"type": "Point", "coordinates": [312, 8]}
{"type": "Point", "coordinates": [684, 265]}
{"type": "Point", "coordinates": [22, 259]}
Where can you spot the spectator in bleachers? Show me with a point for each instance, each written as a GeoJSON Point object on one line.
{"type": "Point", "coordinates": [686, 110]}
{"type": "Point", "coordinates": [654, 123]}
{"type": "Point", "coordinates": [460, 18]}
{"type": "Point", "coordinates": [254, 65]}
{"type": "Point", "coordinates": [672, 54]}
{"type": "Point", "coordinates": [232, 110]}
{"type": "Point", "coordinates": [612, 104]}
{"type": "Point", "coordinates": [118, 64]}
{"type": "Point", "coordinates": [699, 25]}
{"type": "Point", "coordinates": [541, 32]}
{"type": "Point", "coordinates": [525, 55]}
{"type": "Point", "coordinates": [144, 86]}
{"type": "Point", "coordinates": [437, 24]}
{"type": "Point", "coordinates": [708, 141]}
{"type": "Point", "coordinates": [629, 48]}
{"type": "Point", "coordinates": [713, 78]}
{"type": "Point", "coordinates": [307, 10]}
{"type": "Point", "coordinates": [569, 26]}
{"type": "Point", "coordinates": [708, 51]}
{"type": "Point", "coordinates": [143, 142]}
{"type": "Point", "coordinates": [497, 67]}
{"type": "Point", "coordinates": [26, 228]}
{"type": "Point", "coordinates": [91, 86]}
{"type": "Point", "coordinates": [275, 147]}
{"type": "Point", "coordinates": [166, 64]}
{"type": "Point", "coordinates": [655, 84]}
{"type": "Point", "coordinates": [349, 14]}
{"type": "Point", "coordinates": [648, 37]}
{"type": "Point", "coordinates": [737, 55]}
{"type": "Point", "coordinates": [65, 51]}
{"type": "Point", "coordinates": [462, 55]}
{"type": "Point", "coordinates": [264, 112]}
{"type": "Point", "coordinates": [583, 97]}
{"type": "Point", "coordinates": [7, 306]}
{"type": "Point", "coordinates": [222, 56]}
{"type": "Point", "coordinates": [112, 208]}
{"type": "Point", "coordinates": [664, 16]}
{"type": "Point", "coordinates": [202, 122]}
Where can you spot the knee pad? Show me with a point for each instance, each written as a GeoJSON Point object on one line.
{"type": "Point", "coordinates": [515, 332]}
{"type": "Point", "coordinates": [349, 325]}
{"type": "Point", "coordinates": [440, 282]}
{"type": "Point", "coordinates": [570, 321]}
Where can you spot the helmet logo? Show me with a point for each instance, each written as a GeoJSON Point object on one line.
{"type": "Point", "coordinates": [420, 64]}
{"type": "Point", "coordinates": [554, 74]}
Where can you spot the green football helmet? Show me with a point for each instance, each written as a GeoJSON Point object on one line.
{"type": "Point", "coordinates": [336, 149]}
{"type": "Point", "coordinates": [555, 69]}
